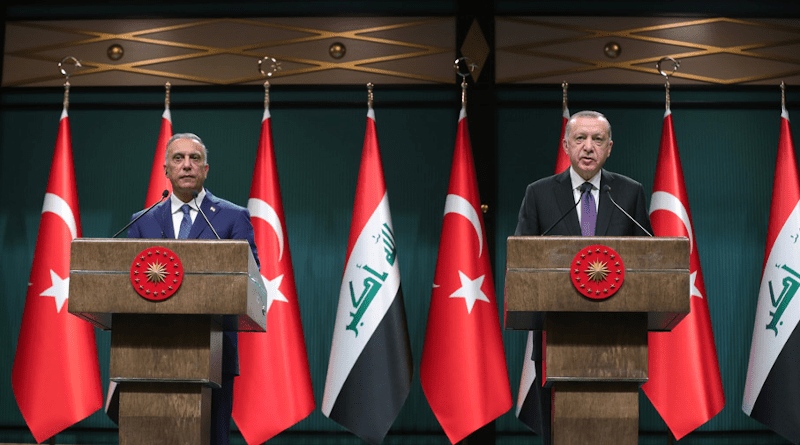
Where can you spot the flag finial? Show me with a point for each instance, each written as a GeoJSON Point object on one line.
{"type": "Point", "coordinates": [66, 75]}
{"type": "Point", "coordinates": [274, 67]}
{"type": "Point", "coordinates": [564, 86]}
{"type": "Point", "coordinates": [167, 89]}
{"type": "Point", "coordinates": [370, 96]}
{"type": "Point", "coordinates": [783, 95]}
{"type": "Point", "coordinates": [464, 68]}
{"type": "Point", "coordinates": [675, 65]}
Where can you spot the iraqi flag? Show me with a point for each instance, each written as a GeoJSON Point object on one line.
{"type": "Point", "coordinates": [56, 375]}
{"type": "Point", "coordinates": [529, 404]}
{"type": "Point", "coordinates": [772, 389]}
{"type": "Point", "coordinates": [684, 382]}
{"type": "Point", "coordinates": [370, 367]}
{"type": "Point", "coordinates": [463, 369]}
{"type": "Point", "coordinates": [273, 390]}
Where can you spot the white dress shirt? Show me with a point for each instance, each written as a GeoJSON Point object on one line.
{"type": "Point", "coordinates": [177, 213]}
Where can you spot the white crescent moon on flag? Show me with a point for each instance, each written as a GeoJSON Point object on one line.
{"type": "Point", "coordinates": [262, 210]}
{"type": "Point", "coordinates": [457, 204]}
{"type": "Point", "coordinates": [56, 204]}
{"type": "Point", "coordinates": [669, 202]}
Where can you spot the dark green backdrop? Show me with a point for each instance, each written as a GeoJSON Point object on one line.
{"type": "Point", "coordinates": [727, 138]}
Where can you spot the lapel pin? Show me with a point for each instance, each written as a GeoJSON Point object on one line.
{"type": "Point", "coordinates": [213, 209]}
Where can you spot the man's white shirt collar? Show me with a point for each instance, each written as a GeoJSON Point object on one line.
{"type": "Point", "coordinates": [177, 213]}
{"type": "Point", "coordinates": [577, 181]}
{"type": "Point", "coordinates": [176, 203]}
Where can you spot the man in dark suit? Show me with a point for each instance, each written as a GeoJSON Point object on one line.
{"type": "Point", "coordinates": [186, 167]}
{"type": "Point", "coordinates": [587, 142]}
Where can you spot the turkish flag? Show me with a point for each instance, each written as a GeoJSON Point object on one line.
{"type": "Point", "coordinates": [56, 375]}
{"type": "Point", "coordinates": [684, 382]}
{"type": "Point", "coordinates": [562, 160]}
{"type": "Point", "coordinates": [463, 369]}
{"type": "Point", "coordinates": [273, 390]}
{"type": "Point", "coordinates": [158, 178]}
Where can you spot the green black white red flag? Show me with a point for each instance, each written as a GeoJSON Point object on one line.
{"type": "Point", "coordinates": [529, 409]}
{"type": "Point", "coordinates": [370, 367]}
{"type": "Point", "coordinates": [56, 375]}
{"type": "Point", "coordinates": [772, 389]}
{"type": "Point", "coordinates": [684, 383]}
{"type": "Point", "coordinates": [273, 390]}
{"type": "Point", "coordinates": [463, 369]}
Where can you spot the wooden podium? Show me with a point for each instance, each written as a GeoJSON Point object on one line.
{"type": "Point", "coordinates": [595, 356]}
{"type": "Point", "coordinates": [166, 355]}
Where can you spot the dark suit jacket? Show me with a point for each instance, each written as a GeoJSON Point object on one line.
{"type": "Point", "coordinates": [229, 220]}
{"type": "Point", "coordinates": [547, 199]}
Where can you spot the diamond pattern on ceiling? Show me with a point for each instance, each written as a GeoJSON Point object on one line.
{"type": "Point", "coordinates": [226, 51]}
{"type": "Point", "coordinates": [711, 51]}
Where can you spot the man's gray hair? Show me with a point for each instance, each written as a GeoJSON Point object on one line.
{"type": "Point", "coordinates": [586, 113]}
{"type": "Point", "coordinates": [191, 136]}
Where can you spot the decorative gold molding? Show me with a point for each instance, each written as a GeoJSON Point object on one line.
{"type": "Point", "coordinates": [226, 51]}
{"type": "Point", "coordinates": [712, 51]}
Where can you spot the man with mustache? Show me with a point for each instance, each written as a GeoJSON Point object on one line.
{"type": "Point", "coordinates": [587, 142]}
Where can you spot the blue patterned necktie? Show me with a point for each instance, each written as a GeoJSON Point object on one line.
{"type": "Point", "coordinates": [186, 223]}
{"type": "Point", "coordinates": [588, 210]}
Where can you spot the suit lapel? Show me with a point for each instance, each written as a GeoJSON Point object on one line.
{"type": "Point", "coordinates": [604, 207]}
{"type": "Point", "coordinates": [566, 200]}
{"type": "Point", "coordinates": [210, 207]}
{"type": "Point", "coordinates": [163, 214]}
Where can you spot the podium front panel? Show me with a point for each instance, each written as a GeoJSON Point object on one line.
{"type": "Point", "coordinates": [538, 279]}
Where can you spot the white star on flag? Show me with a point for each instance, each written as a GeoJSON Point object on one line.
{"type": "Point", "coordinates": [470, 291]}
{"type": "Point", "coordinates": [694, 292]}
{"type": "Point", "coordinates": [58, 290]}
{"type": "Point", "coordinates": [273, 290]}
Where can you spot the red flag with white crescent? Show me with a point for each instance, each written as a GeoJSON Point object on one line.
{"type": "Point", "coordinates": [463, 369]}
{"type": "Point", "coordinates": [771, 394]}
{"type": "Point", "coordinates": [56, 375]}
{"type": "Point", "coordinates": [562, 160]}
{"type": "Point", "coordinates": [684, 382]}
{"type": "Point", "coordinates": [158, 178]}
{"type": "Point", "coordinates": [273, 390]}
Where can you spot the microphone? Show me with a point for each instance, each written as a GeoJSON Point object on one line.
{"type": "Point", "coordinates": [583, 190]}
{"type": "Point", "coordinates": [194, 196]}
{"type": "Point", "coordinates": [607, 189]}
{"type": "Point", "coordinates": [164, 194]}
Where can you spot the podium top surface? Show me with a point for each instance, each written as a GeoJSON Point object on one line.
{"type": "Point", "coordinates": [220, 279]}
{"type": "Point", "coordinates": [538, 279]}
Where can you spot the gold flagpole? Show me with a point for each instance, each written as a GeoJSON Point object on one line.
{"type": "Point", "coordinates": [66, 75]}
{"type": "Point", "coordinates": [675, 65]}
{"type": "Point", "coordinates": [469, 67]}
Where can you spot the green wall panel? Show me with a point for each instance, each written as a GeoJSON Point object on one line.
{"type": "Point", "coordinates": [727, 140]}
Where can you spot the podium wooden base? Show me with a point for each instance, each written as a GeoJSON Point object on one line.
{"type": "Point", "coordinates": [164, 413]}
{"type": "Point", "coordinates": [601, 413]}
{"type": "Point", "coordinates": [595, 364]}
